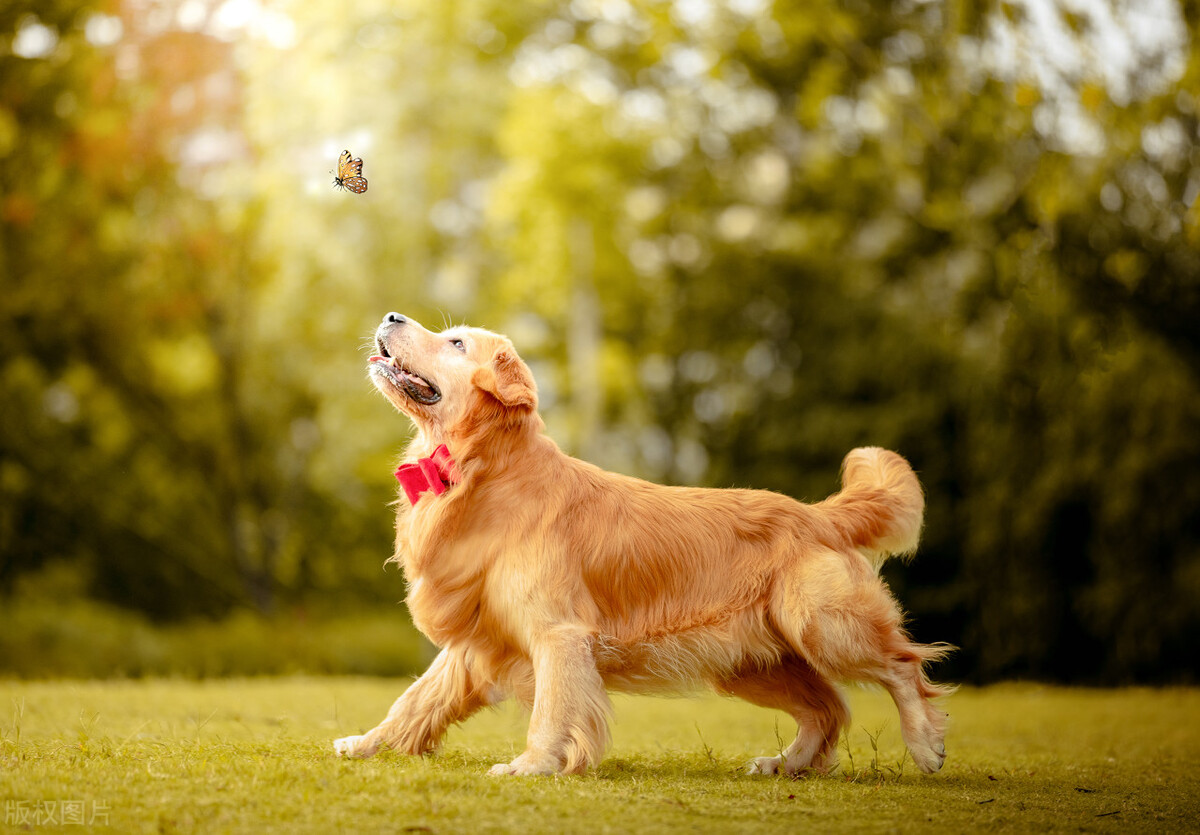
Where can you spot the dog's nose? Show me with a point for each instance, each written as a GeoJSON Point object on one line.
{"type": "Point", "coordinates": [394, 319]}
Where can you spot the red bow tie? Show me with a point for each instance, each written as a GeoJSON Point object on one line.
{"type": "Point", "coordinates": [436, 473]}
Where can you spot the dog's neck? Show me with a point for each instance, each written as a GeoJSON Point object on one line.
{"type": "Point", "coordinates": [474, 450]}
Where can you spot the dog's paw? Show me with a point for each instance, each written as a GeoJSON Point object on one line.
{"type": "Point", "coordinates": [354, 746]}
{"type": "Point", "coordinates": [526, 766]}
{"type": "Point", "coordinates": [929, 758]}
{"type": "Point", "coordinates": [765, 765]}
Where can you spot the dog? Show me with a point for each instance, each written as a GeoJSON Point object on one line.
{"type": "Point", "coordinates": [548, 579]}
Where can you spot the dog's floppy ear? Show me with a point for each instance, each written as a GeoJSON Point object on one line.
{"type": "Point", "coordinates": [508, 379]}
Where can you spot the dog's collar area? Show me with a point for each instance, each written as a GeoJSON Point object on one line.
{"type": "Point", "coordinates": [435, 473]}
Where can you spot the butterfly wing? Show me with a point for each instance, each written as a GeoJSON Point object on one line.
{"type": "Point", "coordinates": [348, 166]}
{"type": "Point", "coordinates": [356, 184]}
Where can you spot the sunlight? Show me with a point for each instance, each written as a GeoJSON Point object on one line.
{"type": "Point", "coordinates": [1133, 50]}
{"type": "Point", "coordinates": [33, 39]}
{"type": "Point", "coordinates": [103, 29]}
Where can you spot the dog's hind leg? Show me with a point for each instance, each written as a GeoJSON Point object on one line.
{"type": "Point", "coordinates": [816, 704]}
{"type": "Point", "coordinates": [568, 729]}
{"type": "Point", "coordinates": [922, 723]}
{"type": "Point", "coordinates": [852, 630]}
{"type": "Point", "coordinates": [445, 694]}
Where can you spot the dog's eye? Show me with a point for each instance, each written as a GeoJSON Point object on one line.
{"type": "Point", "coordinates": [459, 344]}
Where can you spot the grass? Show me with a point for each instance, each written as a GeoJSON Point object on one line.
{"type": "Point", "coordinates": [254, 755]}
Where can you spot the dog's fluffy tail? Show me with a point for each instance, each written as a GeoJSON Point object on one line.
{"type": "Point", "coordinates": [881, 507]}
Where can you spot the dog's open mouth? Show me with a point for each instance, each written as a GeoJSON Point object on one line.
{"type": "Point", "coordinates": [412, 384]}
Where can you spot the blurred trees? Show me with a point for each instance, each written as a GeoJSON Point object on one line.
{"type": "Point", "coordinates": [733, 240]}
{"type": "Point", "coordinates": [149, 435]}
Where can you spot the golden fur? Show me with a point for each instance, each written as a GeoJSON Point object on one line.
{"type": "Point", "coordinates": [546, 578]}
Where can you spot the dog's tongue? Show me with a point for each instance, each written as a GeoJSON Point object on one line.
{"type": "Point", "coordinates": [375, 358]}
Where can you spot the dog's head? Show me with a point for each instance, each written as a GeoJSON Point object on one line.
{"type": "Point", "coordinates": [453, 382]}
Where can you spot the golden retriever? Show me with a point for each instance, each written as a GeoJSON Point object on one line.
{"type": "Point", "coordinates": [546, 578]}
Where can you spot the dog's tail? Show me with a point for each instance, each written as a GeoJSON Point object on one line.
{"type": "Point", "coordinates": [881, 507]}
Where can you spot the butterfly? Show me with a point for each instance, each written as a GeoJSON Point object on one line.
{"type": "Point", "coordinates": [349, 174]}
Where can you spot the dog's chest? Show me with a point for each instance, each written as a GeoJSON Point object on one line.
{"type": "Point", "coordinates": [445, 608]}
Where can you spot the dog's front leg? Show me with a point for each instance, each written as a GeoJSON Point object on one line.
{"type": "Point", "coordinates": [445, 694]}
{"type": "Point", "coordinates": [568, 729]}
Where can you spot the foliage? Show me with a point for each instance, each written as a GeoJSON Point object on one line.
{"type": "Point", "coordinates": [254, 756]}
{"type": "Point", "coordinates": [733, 240]}
{"type": "Point", "coordinates": [51, 631]}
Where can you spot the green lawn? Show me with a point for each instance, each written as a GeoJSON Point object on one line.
{"type": "Point", "coordinates": [254, 755]}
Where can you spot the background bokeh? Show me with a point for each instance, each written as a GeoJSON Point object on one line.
{"type": "Point", "coordinates": [732, 239]}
